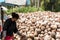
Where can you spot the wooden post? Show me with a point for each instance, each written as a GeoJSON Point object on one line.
{"type": "Point", "coordinates": [35, 3]}
{"type": "Point", "coordinates": [52, 2]}
{"type": "Point", "coordinates": [0, 23]}
{"type": "Point", "coordinates": [45, 4]}
{"type": "Point", "coordinates": [38, 4]}
{"type": "Point", "coordinates": [2, 16]}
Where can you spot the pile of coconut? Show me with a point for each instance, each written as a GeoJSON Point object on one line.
{"type": "Point", "coordinates": [39, 26]}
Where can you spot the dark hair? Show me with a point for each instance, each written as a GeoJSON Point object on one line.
{"type": "Point", "coordinates": [14, 15]}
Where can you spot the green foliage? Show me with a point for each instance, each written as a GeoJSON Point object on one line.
{"type": "Point", "coordinates": [57, 6]}
{"type": "Point", "coordinates": [24, 9]}
{"type": "Point", "coordinates": [9, 11]}
{"type": "Point", "coordinates": [27, 9]}
{"type": "Point", "coordinates": [44, 5]}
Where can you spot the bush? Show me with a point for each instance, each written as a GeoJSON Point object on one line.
{"type": "Point", "coordinates": [57, 8]}
{"type": "Point", "coordinates": [24, 9]}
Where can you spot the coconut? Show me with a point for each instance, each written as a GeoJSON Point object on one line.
{"type": "Point", "coordinates": [58, 30]}
{"type": "Point", "coordinates": [47, 37]}
{"type": "Point", "coordinates": [52, 39]}
{"type": "Point", "coordinates": [36, 38]}
{"type": "Point", "coordinates": [57, 34]}
{"type": "Point", "coordinates": [57, 39]}
{"type": "Point", "coordinates": [42, 28]}
{"type": "Point", "coordinates": [54, 26]}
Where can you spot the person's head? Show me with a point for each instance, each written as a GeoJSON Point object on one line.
{"type": "Point", "coordinates": [15, 16]}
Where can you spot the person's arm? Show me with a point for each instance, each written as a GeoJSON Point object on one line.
{"type": "Point", "coordinates": [16, 30]}
{"type": "Point", "coordinates": [4, 33]}
{"type": "Point", "coordinates": [6, 24]}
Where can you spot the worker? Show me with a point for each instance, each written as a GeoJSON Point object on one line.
{"type": "Point", "coordinates": [9, 27]}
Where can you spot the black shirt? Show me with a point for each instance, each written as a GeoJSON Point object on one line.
{"type": "Point", "coordinates": [10, 27]}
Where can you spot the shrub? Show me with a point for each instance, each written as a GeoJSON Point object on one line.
{"type": "Point", "coordinates": [24, 9]}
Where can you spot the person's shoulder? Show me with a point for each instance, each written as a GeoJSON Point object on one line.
{"type": "Point", "coordinates": [9, 19]}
